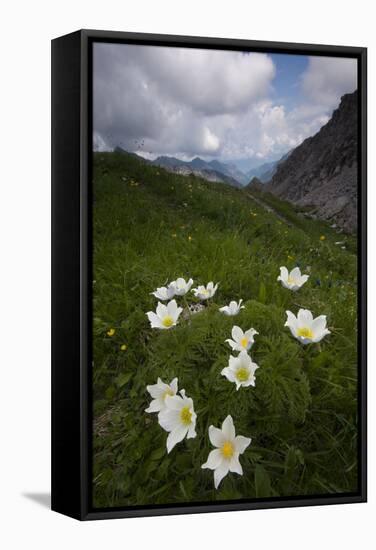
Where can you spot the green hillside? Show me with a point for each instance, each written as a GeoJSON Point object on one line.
{"type": "Point", "coordinates": [151, 227]}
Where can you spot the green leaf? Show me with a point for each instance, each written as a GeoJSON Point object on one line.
{"type": "Point", "coordinates": [122, 379]}
{"type": "Point", "coordinates": [262, 482]}
{"type": "Point", "coordinates": [110, 392]}
{"type": "Point", "coordinates": [157, 454]}
{"type": "Point", "coordinates": [262, 293]}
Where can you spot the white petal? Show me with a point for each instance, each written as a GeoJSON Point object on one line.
{"type": "Point", "coordinates": [250, 333]}
{"type": "Point", "coordinates": [229, 374]}
{"type": "Point", "coordinates": [214, 460]}
{"type": "Point", "coordinates": [283, 274]}
{"type": "Point", "coordinates": [228, 428]}
{"type": "Point", "coordinates": [216, 436]}
{"type": "Point", "coordinates": [320, 336]}
{"type": "Point", "coordinates": [291, 320]}
{"type": "Point", "coordinates": [168, 420]}
{"type": "Point", "coordinates": [174, 385]}
{"type": "Point", "coordinates": [295, 273]}
{"type": "Point", "coordinates": [155, 390]}
{"type": "Point", "coordinates": [155, 321]}
{"type": "Point", "coordinates": [172, 308]}
{"type": "Point", "coordinates": [250, 382]}
{"type": "Point", "coordinates": [235, 465]}
{"type": "Point", "coordinates": [305, 317]}
{"type": "Point", "coordinates": [175, 437]}
{"type": "Point", "coordinates": [233, 362]}
{"type": "Point", "coordinates": [237, 333]}
{"type": "Point", "coordinates": [155, 406]}
{"type": "Point", "coordinates": [241, 443]}
{"type": "Point", "coordinates": [174, 402]}
{"type": "Point", "coordinates": [231, 343]}
{"type": "Point", "coordinates": [191, 431]}
{"type": "Point", "coordinates": [244, 359]}
{"type": "Point", "coordinates": [319, 324]}
{"type": "Point", "coordinates": [220, 473]}
{"type": "Point", "coordinates": [161, 310]}
{"type": "Point", "coordinates": [158, 295]}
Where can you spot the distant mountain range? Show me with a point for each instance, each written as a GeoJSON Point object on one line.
{"type": "Point", "coordinates": [212, 170]}
{"type": "Point", "coordinates": [321, 173]}
{"type": "Point", "coordinates": [266, 171]}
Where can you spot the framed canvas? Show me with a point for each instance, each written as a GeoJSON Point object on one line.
{"type": "Point", "coordinates": [208, 274]}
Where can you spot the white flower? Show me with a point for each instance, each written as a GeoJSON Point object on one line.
{"type": "Point", "coordinates": [164, 292]}
{"type": "Point", "coordinates": [159, 392]}
{"type": "Point", "coordinates": [233, 308]}
{"type": "Point", "coordinates": [225, 458]}
{"type": "Point", "coordinates": [203, 292]}
{"type": "Point", "coordinates": [179, 418]}
{"type": "Point", "coordinates": [241, 340]}
{"type": "Point", "coordinates": [293, 280]}
{"type": "Point", "coordinates": [181, 287]}
{"type": "Point", "coordinates": [241, 370]}
{"type": "Point", "coordinates": [165, 316]}
{"type": "Point", "coordinates": [305, 328]}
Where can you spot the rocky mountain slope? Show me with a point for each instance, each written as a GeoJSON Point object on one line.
{"type": "Point", "coordinates": [321, 173]}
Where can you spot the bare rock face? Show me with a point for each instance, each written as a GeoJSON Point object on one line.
{"type": "Point", "coordinates": [321, 173]}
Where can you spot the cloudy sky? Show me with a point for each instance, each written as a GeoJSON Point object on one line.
{"type": "Point", "coordinates": [241, 106]}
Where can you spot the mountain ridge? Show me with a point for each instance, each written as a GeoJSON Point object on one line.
{"type": "Point", "coordinates": [204, 168]}
{"type": "Point", "coordinates": [321, 173]}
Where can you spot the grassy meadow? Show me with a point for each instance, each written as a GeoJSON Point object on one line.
{"type": "Point", "coordinates": [150, 227]}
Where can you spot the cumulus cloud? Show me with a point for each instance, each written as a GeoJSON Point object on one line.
{"type": "Point", "coordinates": [328, 78]}
{"type": "Point", "coordinates": [171, 99]}
{"type": "Point", "coordinates": [187, 102]}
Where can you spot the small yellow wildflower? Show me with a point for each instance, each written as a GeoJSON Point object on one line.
{"type": "Point", "coordinates": [189, 238]}
{"type": "Point", "coordinates": [123, 347]}
{"type": "Point", "coordinates": [322, 238]}
{"type": "Point", "coordinates": [111, 332]}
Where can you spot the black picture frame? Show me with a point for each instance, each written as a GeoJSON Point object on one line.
{"type": "Point", "coordinates": [71, 269]}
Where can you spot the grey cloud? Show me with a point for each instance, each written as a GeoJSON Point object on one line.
{"type": "Point", "coordinates": [188, 102]}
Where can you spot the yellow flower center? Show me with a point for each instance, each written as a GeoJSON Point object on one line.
{"type": "Point", "coordinates": [167, 321]}
{"type": "Point", "coordinates": [291, 281]}
{"type": "Point", "coordinates": [304, 332]}
{"type": "Point", "coordinates": [244, 342]}
{"type": "Point", "coordinates": [242, 374]}
{"type": "Point", "coordinates": [227, 449]}
{"type": "Point", "coordinates": [185, 416]}
{"type": "Point", "coordinates": [168, 392]}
